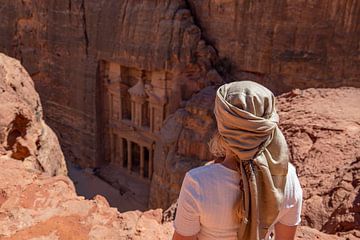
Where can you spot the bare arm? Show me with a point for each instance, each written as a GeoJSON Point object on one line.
{"type": "Point", "coordinates": [177, 236]}
{"type": "Point", "coordinates": [187, 219]}
{"type": "Point", "coordinates": [284, 232]}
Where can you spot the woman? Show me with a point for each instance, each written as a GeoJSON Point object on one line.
{"type": "Point", "coordinates": [253, 193]}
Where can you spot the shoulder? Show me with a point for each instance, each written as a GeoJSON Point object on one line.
{"type": "Point", "coordinates": [291, 208]}
{"type": "Point", "coordinates": [292, 178]}
{"type": "Point", "coordinates": [291, 169]}
{"type": "Point", "coordinates": [203, 172]}
{"type": "Point", "coordinates": [194, 183]}
{"type": "Point", "coordinates": [201, 177]}
{"type": "Point", "coordinates": [293, 191]}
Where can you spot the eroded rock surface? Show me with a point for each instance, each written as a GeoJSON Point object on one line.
{"type": "Point", "coordinates": [182, 146]}
{"type": "Point", "coordinates": [23, 133]}
{"type": "Point", "coordinates": [34, 205]}
{"type": "Point", "coordinates": [37, 199]}
{"type": "Point", "coordinates": [322, 127]}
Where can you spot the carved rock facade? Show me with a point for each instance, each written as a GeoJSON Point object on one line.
{"type": "Point", "coordinates": [109, 72]}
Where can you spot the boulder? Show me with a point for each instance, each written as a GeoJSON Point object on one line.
{"type": "Point", "coordinates": [24, 135]}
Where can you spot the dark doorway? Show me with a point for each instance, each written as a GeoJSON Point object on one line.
{"type": "Point", "coordinates": [135, 163]}
{"type": "Point", "coordinates": [146, 163]}
{"type": "Point", "coordinates": [125, 153]}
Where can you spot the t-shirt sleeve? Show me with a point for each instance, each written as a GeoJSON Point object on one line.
{"type": "Point", "coordinates": [292, 217]}
{"type": "Point", "coordinates": [187, 219]}
{"type": "Point", "coordinates": [292, 212]}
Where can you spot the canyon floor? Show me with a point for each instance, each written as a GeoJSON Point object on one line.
{"type": "Point", "coordinates": [88, 183]}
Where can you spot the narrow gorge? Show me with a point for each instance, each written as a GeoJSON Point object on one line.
{"type": "Point", "coordinates": [119, 95]}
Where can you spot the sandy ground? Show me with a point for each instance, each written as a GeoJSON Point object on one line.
{"type": "Point", "coordinates": [89, 185]}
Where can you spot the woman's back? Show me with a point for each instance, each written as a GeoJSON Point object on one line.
{"type": "Point", "coordinates": [208, 197]}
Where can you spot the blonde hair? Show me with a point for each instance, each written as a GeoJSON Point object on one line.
{"type": "Point", "coordinates": [217, 145]}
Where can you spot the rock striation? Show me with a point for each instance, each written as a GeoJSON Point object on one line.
{"type": "Point", "coordinates": [64, 45]}
{"type": "Point", "coordinates": [284, 44]}
{"type": "Point", "coordinates": [37, 199]}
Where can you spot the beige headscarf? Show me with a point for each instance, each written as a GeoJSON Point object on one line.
{"type": "Point", "coordinates": [247, 120]}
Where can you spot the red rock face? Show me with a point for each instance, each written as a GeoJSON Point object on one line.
{"type": "Point", "coordinates": [323, 131]}
{"type": "Point", "coordinates": [35, 205]}
{"type": "Point", "coordinates": [284, 44]}
{"type": "Point", "coordinates": [24, 136]}
{"type": "Point", "coordinates": [48, 208]}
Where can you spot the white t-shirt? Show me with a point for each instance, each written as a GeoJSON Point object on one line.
{"type": "Point", "coordinates": [207, 198]}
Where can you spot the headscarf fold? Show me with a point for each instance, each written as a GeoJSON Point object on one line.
{"type": "Point", "coordinates": [247, 120]}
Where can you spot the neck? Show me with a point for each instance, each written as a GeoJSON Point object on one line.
{"type": "Point", "coordinates": [230, 162]}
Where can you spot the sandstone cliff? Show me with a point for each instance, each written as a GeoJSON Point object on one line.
{"type": "Point", "coordinates": [283, 44]}
{"type": "Point", "coordinates": [322, 127]}
{"type": "Point", "coordinates": [24, 134]}
{"type": "Point", "coordinates": [36, 206]}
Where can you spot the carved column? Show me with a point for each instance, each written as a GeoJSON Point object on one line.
{"type": "Point", "coordinates": [111, 149]}
{"type": "Point", "coordinates": [133, 112]}
{"type": "Point", "coordinates": [123, 88]}
{"type": "Point", "coordinates": [138, 98]}
{"type": "Point", "coordinates": [121, 149]}
{"type": "Point", "coordinates": [142, 160]}
{"type": "Point", "coordinates": [156, 104]}
{"type": "Point", "coordinates": [114, 149]}
{"type": "Point", "coordinates": [150, 162]}
{"type": "Point", "coordinates": [157, 115]}
{"type": "Point", "coordinates": [152, 127]}
{"type": "Point", "coordinates": [129, 160]}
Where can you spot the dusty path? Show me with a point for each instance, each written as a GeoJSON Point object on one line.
{"type": "Point", "coordinates": [89, 185]}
